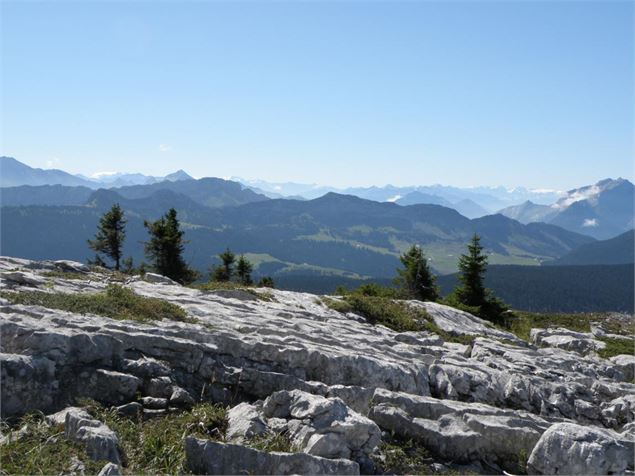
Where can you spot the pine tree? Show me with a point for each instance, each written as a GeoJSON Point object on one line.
{"type": "Point", "coordinates": [111, 232]}
{"type": "Point", "coordinates": [473, 266]}
{"type": "Point", "coordinates": [225, 271]}
{"type": "Point", "coordinates": [415, 279]}
{"type": "Point", "coordinates": [266, 282]}
{"type": "Point", "coordinates": [243, 270]}
{"type": "Point", "coordinates": [165, 248]}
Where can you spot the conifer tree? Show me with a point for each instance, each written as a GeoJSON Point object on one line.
{"type": "Point", "coordinates": [243, 270]}
{"type": "Point", "coordinates": [266, 282]}
{"type": "Point", "coordinates": [472, 267]}
{"type": "Point", "coordinates": [225, 271]}
{"type": "Point", "coordinates": [111, 232]}
{"type": "Point", "coordinates": [416, 279]}
{"type": "Point", "coordinates": [165, 248]}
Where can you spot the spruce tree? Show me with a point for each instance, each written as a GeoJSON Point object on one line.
{"type": "Point", "coordinates": [472, 267]}
{"type": "Point", "coordinates": [243, 271]}
{"type": "Point", "coordinates": [165, 248]}
{"type": "Point", "coordinates": [225, 271]}
{"type": "Point", "coordinates": [415, 279]}
{"type": "Point", "coordinates": [266, 282]}
{"type": "Point", "coordinates": [111, 232]}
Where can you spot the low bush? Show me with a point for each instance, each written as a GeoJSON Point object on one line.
{"type": "Point", "coordinates": [115, 302]}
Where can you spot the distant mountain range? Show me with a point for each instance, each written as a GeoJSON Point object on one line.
{"type": "Point", "coordinates": [335, 234]}
{"type": "Point", "coordinates": [339, 235]}
{"type": "Point", "coordinates": [474, 201]}
{"type": "Point", "coordinates": [14, 173]}
{"type": "Point", "coordinates": [603, 210]}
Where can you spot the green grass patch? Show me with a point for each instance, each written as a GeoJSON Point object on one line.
{"type": "Point", "coordinates": [156, 446]}
{"type": "Point", "coordinates": [233, 286]}
{"type": "Point", "coordinates": [42, 450]}
{"type": "Point", "coordinates": [520, 323]}
{"type": "Point", "coordinates": [271, 442]}
{"type": "Point", "coordinates": [396, 315]}
{"type": "Point", "coordinates": [74, 275]}
{"type": "Point", "coordinates": [115, 302]}
{"type": "Point", "coordinates": [402, 456]}
{"type": "Point", "coordinates": [616, 347]}
{"type": "Point", "coordinates": [378, 310]}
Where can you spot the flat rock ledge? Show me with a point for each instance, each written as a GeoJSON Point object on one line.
{"type": "Point", "coordinates": [335, 385]}
{"type": "Point", "coordinates": [210, 457]}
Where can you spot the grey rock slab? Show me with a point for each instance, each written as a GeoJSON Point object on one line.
{"type": "Point", "coordinates": [626, 363]}
{"type": "Point", "coordinates": [110, 469]}
{"type": "Point", "coordinates": [100, 441]}
{"type": "Point", "coordinates": [323, 426]}
{"type": "Point", "coordinates": [579, 342]}
{"type": "Point", "coordinates": [567, 448]}
{"type": "Point", "coordinates": [209, 457]}
{"type": "Point", "coordinates": [245, 421]}
{"type": "Point", "coordinates": [459, 322]}
{"type": "Point", "coordinates": [159, 279]}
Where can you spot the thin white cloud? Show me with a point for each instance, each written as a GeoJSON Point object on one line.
{"type": "Point", "coordinates": [164, 148]}
{"type": "Point", "coordinates": [98, 175]}
{"type": "Point", "coordinates": [590, 222]}
{"type": "Point", "coordinates": [51, 163]}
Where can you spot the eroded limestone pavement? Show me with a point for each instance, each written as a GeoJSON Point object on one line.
{"type": "Point", "coordinates": [331, 382]}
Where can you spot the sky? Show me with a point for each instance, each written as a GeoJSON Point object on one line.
{"type": "Point", "coordinates": [352, 93]}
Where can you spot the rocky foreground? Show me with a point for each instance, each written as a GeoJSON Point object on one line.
{"type": "Point", "coordinates": [343, 392]}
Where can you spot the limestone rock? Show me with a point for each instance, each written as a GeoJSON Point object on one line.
{"type": "Point", "coordinates": [244, 421]}
{"type": "Point", "coordinates": [323, 426]}
{"type": "Point", "coordinates": [209, 457]}
{"type": "Point", "coordinates": [100, 441]}
{"type": "Point", "coordinates": [159, 279]}
{"type": "Point", "coordinates": [626, 363]}
{"type": "Point", "coordinates": [567, 448]}
{"type": "Point", "coordinates": [110, 469]}
{"type": "Point", "coordinates": [579, 342]}
{"type": "Point", "coordinates": [458, 431]}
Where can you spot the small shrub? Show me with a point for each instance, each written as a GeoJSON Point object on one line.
{"type": "Point", "coordinates": [401, 456]}
{"type": "Point", "coordinates": [115, 302]}
{"type": "Point", "coordinates": [43, 449]}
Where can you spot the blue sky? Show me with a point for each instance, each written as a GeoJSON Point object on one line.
{"type": "Point", "coordinates": [532, 93]}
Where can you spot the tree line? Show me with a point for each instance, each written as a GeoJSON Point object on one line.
{"type": "Point", "coordinates": [415, 280]}
{"type": "Point", "coordinates": [164, 251]}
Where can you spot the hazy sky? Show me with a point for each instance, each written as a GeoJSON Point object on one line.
{"type": "Point", "coordinates": [533, 93]}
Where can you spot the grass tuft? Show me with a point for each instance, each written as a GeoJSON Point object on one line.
{"type": "Point", "coordinates": [271, 442]}
{"type": "Point", "coordinates": [43, 449]}
{"type": "Point", "coordinates": [233, 286]}
{"type": "Point", "coordinates": [115, 302]}
{"type": "Point", "coordinates": [396, 315]}
{"type": "Point", "coordinates": [156, 446]}
{"type": "Point", "coordinates": [616, 347]}
{"type": "Point", "coordinates": [74, 275]}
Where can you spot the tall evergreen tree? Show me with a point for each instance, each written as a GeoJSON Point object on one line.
{"type": "Point", "coordinates": [472, 267]}
{"type": "Point", "coordinates": [111, 233]}
{"type": "Point", "coordinates": [165, 248]}
{"type": "Point", "coordinates": [416, 279]}
{"type": "Point", "coordinates": [243, 270]}
{"type": "Point", "coordinates": [225, 271]}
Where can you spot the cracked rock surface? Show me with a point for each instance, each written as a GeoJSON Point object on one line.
{"type": "Point", "coordinates": [329, 381]}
